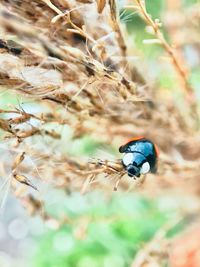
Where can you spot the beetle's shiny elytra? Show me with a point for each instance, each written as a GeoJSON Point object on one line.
{"type": "Point", "coordinates": [140, 156]}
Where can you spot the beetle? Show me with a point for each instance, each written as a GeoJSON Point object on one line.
{"type": "Point", "coordinates": [140, 156]}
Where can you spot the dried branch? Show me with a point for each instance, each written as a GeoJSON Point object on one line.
{"type": "Point", "coordinates": [181, 70]}
{"type": "Point", "coordinates": [65, 66]}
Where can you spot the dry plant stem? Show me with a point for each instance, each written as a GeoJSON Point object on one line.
{"type": "Point", "coordinates": [67, 17]}
{"type": "Point", "coordinates": [183, 74]}
{"type": "Point", "coordinates": [116, 27]}
{"type": "Point", "coordinates": [100, 5]}
{"type": "Point", "coordinates": [118, 181]}
{"type": "Point", "coordinates": [53, 7]}
{"type": "Point", "coordinates": [156, 250]}
{"type": "Point", "coordinates": [75, 55]}
{"type": "Point", "coordinates": [89, 97]}
{"type": "Point", "coordinates": [115, 166]}
{"type": "Point", "coordinates": [81, 31]}
{"type": "Point", "coordinates": [138, 77]}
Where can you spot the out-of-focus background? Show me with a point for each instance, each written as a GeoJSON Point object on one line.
{"type": "Point", "coordinates": [133, 226]}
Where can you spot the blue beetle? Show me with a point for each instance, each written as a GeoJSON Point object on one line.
{"type": "Point", "coordinates": [140, 156]}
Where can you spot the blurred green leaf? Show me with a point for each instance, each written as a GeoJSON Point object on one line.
{"type": "Point", "coordinates": [116, 230]}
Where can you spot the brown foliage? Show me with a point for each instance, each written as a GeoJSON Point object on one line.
{"type": "Point", "coordinates": [71, 59]}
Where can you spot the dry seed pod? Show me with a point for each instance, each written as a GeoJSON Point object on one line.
{"type": "Point", "coordinates": [33, 205]}
{"type": "Point", "coordinates": [29, 133]}
{"type": "Point", "coordinates": [18, 160]}
{"type": "Point", "coordinates": [53, 134]}
{"type": "Point", "coordinates": [23, 118]}
{"type": "Point", "coordinates": [5, 125]}
{"type": "Point", "coordinates": [24, 180]}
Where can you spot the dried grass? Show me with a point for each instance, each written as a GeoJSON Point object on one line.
{"type": "Point", "coordinates": [71, 59]}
